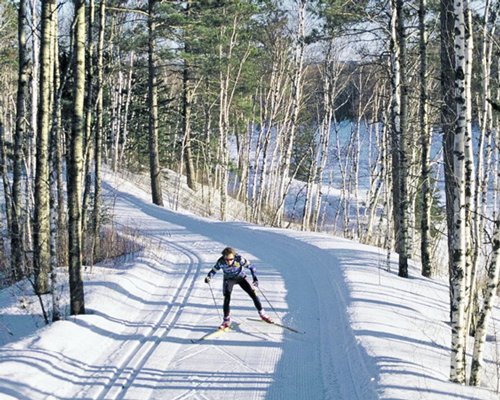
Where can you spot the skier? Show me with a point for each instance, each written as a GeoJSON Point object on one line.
{"type": "Point", "coordinates": [233, 266]}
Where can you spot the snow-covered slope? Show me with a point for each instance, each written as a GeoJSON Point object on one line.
{"type": "Point", "coordinates": [368, 334]}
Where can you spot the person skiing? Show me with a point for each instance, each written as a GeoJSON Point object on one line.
{"type": "Point", "coordinates": [233, 266]}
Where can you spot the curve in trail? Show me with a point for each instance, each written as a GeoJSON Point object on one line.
{"type": "Point", "coordinates": [327, 363]}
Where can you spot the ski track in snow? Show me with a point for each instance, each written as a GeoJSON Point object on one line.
{"type": "Point", "coordinates": [252, 361]}
{"type": "Point", "coordinates": [137, 353]}
{"type": "Point", "coordinates": [368, 334]}
{"type": "Point", "coordinates": [149, 354]}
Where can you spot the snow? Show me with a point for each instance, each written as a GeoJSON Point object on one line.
{"type": "Point", "coordinates": [368, 333]}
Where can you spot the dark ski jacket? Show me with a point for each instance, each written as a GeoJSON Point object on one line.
{"type": "Point", "coordinates": [236, 269]}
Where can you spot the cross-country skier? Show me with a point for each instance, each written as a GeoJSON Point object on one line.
{"type": "Point", "coordinates": [233, 266]}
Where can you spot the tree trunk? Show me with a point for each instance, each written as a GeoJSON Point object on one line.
{"type": "Point", "coordinates": [296, 98]}
{"type": "Point", "coordinates": [41, 224]}
{"type": "Point", "coordinates": [330, 80]}
{"type": "Point", "coordinates": [448, 112]}
{"type": "Point", "coordinates": [398, 123]}
{"type": "Point", "coordinates": [17, 254]}
{"type": "Point", "coordinates": [458, 256]}
{"type": "Point", "coordinates": [154, 158]}
{"type": "Point", "coordinates": [186, 111]}
{"type": "Point", "coordinates": [96, 214]}
{"type": "Point", "coordinates": [5, 180]}
{"type": "Point", "coordinates": [88, 142]}
{"type": "Point", "coordinates": [75, 165]}
{"type": "Point", "coordinates": [470, 175]}
{"type": "Point", "coordinates": [483, 164]}
{"type": "Point", "coordinates": [425, 138]}
{"type": "Point", "coordinates": [485, 316]}
{"type": "Point", "coordinates": [54, 171]}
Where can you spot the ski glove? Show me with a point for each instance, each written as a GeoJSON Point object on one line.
{"type": "Point", "coordinates": [207, 279]}
{"type": "Point", "coordinates": [256, 283]}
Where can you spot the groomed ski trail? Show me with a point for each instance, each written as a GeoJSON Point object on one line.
{"type": "Point", "coordinates": [135, 342]}
{"type": "Point", "coordinates": [304, 284]}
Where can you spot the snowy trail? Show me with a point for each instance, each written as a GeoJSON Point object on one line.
{"type": "Point", "coordinates": [135, 342]}
{"type": "Point", "coordinates": [256, 360]}
{"type": "Point", "coordinates": [368, 333]}
{"type": "Point", "coordinates": [137, 353]}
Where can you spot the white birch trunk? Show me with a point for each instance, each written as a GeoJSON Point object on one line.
{"type": "Point", "coordinates": [485, 316]}
{"type": "Point", "coordinates": [458, 246]}
{"type": "Point", "coordinates": [470, 185]}
{"type": "Point", "coordinates": [42, 210]}
{"type": "Point", "coordinates": [75, 166]}
{"type": "Point", "coordinates": [296, 98]}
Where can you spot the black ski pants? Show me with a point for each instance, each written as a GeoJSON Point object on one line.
{"type": "Point", "coordinates": [227, 289]}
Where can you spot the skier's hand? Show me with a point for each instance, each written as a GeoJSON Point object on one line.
{"type": "Point", "coordinates": [256, 283]}
{"type": "Point", "coordinates": [207, 279]}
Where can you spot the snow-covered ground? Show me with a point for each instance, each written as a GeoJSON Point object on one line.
{"type": "Point", "coordinates": [368, 334]}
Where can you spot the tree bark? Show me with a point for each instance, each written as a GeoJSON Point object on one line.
{"type": "Point", "coordinates": [425, 138]}
{"type": "Point", "coordinates": [75, 165]}
{"type": "Point", "coordinates": [88, 141]}
{"type": "Point", "coordinates": [398, 123]}
{"type": "Point", "coordinates": [458, 256]}
{"type": "Point", "coordinates": [55, 169]}
{"type": "Point", "coordinates": [96, 214]}
{"type": "Point", "coordinates": [485, 315]}
{"type": "Point", "coordinates": [296, 98]}
{"type": "Point", "coordinates": [186, 110]}
{"type": "Point", "coordinates": [41, 224]}
{"type": "Point", "coordinates": [154, 158]}
{"type": "Point", "coordinates": [17, 255]}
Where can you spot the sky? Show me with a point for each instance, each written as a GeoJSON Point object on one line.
{"type": "Point", "coordinates": [364, 334]}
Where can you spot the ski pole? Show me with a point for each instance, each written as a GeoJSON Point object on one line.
{"type": "Point", "coordinates": [268, 302]}
{"type": "Point", "coordinates": [213, 298]}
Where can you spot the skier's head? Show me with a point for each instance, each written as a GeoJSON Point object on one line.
{"type": "Point", "coordinates": [228, 253]}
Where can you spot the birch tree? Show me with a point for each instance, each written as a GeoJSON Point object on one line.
{"type": "Point", "coordinates": [88, 142]}
{"type": "Point", "coordinates": [41, 224]}
{"type": "Point", "coordinates": [331, 86]}
{"type": "Point", "coordinates": [75, 165]}
{"type": "Point", "coordinates": [485, 123]}
{"type": "Point", "coordinates": [484, 156]}
{"type": "Point", "coordinates": [458, 256]}
{"type": "Point", "coordinates": [272, 91]}
{"type": "Point", "coordinates": [295, 104]}
{"type": "Point", "coordinates": [17, 259]}
{"type": "Point", "coordinates": [485, 315]}
{"type": "Point", "coordinates": [55, 162]}
{"type": "Point", "coordinates": [425, 218]}
{"type": "Point", "coordinates": [470, 175]}
{"type": "Point", "coordinates": [398, 123]}
{"type": "Point", "coordinates": [96, 213]}
{"type": "Point", "coordinates": [229, 78]}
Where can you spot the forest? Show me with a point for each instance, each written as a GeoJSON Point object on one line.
{"type": "Point", "coordinates": [394, 104]}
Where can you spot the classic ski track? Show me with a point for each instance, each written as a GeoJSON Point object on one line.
{"type": "Point", "coordinates": [212, 377]}
{"type": "Point", "coordinates": [194, 390]}
{"type": "Point", "coordinates": [180, 299]}
{"type": "Point", "coordinates": [117, 384]}
{"type": "Point", "coordinates": [238, 359]}
{"type": "Point", "coordinates": [266, 335]}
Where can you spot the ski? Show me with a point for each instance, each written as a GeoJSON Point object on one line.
{"type": "Point", "coordinates": [213, 334]}
{"type": "Point", "coordinates": [277, 324]}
